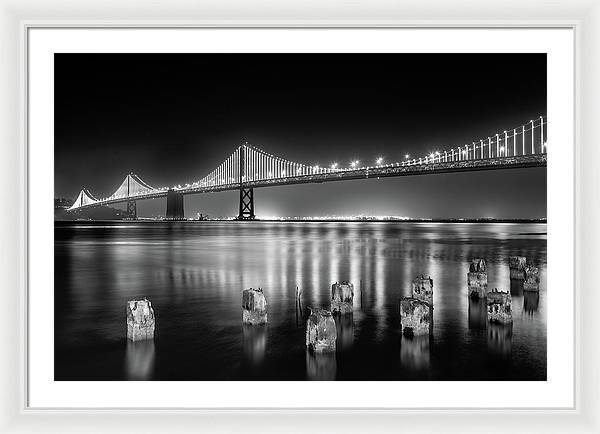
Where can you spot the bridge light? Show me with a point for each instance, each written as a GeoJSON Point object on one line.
{"type": "Point", "coordinates": [431, 155]}
{"type": "Point", "coordinates": [334, 166]}
{"type": "Point", "coordinates": [407, 156]}
{"type": "Point", "coordinates": [379, 160]}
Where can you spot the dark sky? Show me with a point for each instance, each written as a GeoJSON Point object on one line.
{"type": "Point", "coordinates": [172, 118]}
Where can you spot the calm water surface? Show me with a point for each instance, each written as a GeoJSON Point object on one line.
{"type": "Point", "coordinates": [193, 272]}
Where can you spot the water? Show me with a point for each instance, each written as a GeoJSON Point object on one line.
{"type": "Point", "coordinates": [193, 273]}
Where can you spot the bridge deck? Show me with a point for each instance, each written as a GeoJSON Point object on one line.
{"type": "Point", "coordinates": [515, 162]}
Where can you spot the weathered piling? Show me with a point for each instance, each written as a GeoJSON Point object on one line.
{"type": "Point", "coordinates": [422, 289]}
{"type": "Point", "coordinates": [254, 306]}
{"type": "Point", "coordinates": [298, 306]}
{"type": "Point", "coordinates": [415, 317]}
{"type": "Point", "coordinates": [499, 307]}
{"type": "Point", "coordinates": [299, 314]}
{"type": "Point", "coordinates": [517, 265]}
{"type": "Point", "coordinates": [342, 297]}
{"type": "Point", "coordinates": [532, 279]}
{"type": "Point", "coordinates": [477, 279]}
{"type": "Point", "coordinates": [140, 320]}
{"type": "Point", "coordinates": [321, 332]}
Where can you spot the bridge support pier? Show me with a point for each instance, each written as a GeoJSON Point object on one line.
{"type": "Point", "coordinates": [246, 193]}
{"type": "Point", "coordinates": [174, 206]}
{"type": "Point", "coordinates": [246, 204]}
{"type": "Point", "coordinates": [131, 210]}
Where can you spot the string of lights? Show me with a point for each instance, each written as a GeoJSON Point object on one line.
{"type": "Point", "coordinates": [249, 163]}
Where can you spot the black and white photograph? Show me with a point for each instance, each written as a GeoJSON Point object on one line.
{"type": "Point", "coordinates": [300, 216]}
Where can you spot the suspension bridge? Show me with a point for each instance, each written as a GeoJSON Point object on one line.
{"type": "Point", "coordinates": [250, 167]}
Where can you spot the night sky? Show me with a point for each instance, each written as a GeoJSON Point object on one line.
{"type": "Point", "coordinates": [172, 118]}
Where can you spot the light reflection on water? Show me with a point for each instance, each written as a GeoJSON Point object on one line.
{"type": "Point", "coordinates": [139, 358]}
{"type": "Point", "coordinates": [193, 272]}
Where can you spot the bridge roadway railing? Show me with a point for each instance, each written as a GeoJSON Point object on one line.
{"type": "Point", "coordinates": [538, 160]}
{"type": "Point", "coordinates": [514, 162]}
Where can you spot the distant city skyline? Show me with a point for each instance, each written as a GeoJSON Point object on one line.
{"type": "Point", "coordinates": [172, 118]}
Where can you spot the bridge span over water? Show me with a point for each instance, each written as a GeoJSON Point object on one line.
{"type": "Point", "coordinates": [250, 167]}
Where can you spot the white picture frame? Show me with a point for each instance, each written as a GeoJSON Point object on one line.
{"type": "Point", "coordinates": [17, 18]}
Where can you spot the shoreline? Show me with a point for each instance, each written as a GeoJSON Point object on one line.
{"type": "Point", "coordinates": [482, 221]}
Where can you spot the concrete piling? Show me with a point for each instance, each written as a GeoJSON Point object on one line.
{"type": "Point", "coordinates": [254, 306]}
{"type": "Point", "coordinates": [416, 317]}
{"type": "Point", "coordinates": [299, 314]}
{"type": "Point", "coordinates": [298, 307]}
{"type": "Point", "coordinates": [517, 267]}
{"type": "Point", "coordinates": [321, 332]}
{"type": "Point", "coordinates": [422, 289]}
{"type": "Point", "coordinates": [499, 307]}
{"type": "Point", "coordinates": [140, 320]}
{"type": "Point", "coordinates": [342, 297]}
{"type": "Point", "coordinates": [477, 279]}
{"type": "Point", "coordinates": [531, 279]}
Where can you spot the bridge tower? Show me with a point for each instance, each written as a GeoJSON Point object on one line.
{"type": "Point", "coordinates": [131, 204]}
{"type": "Point", "coordinates": [246, 193]}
